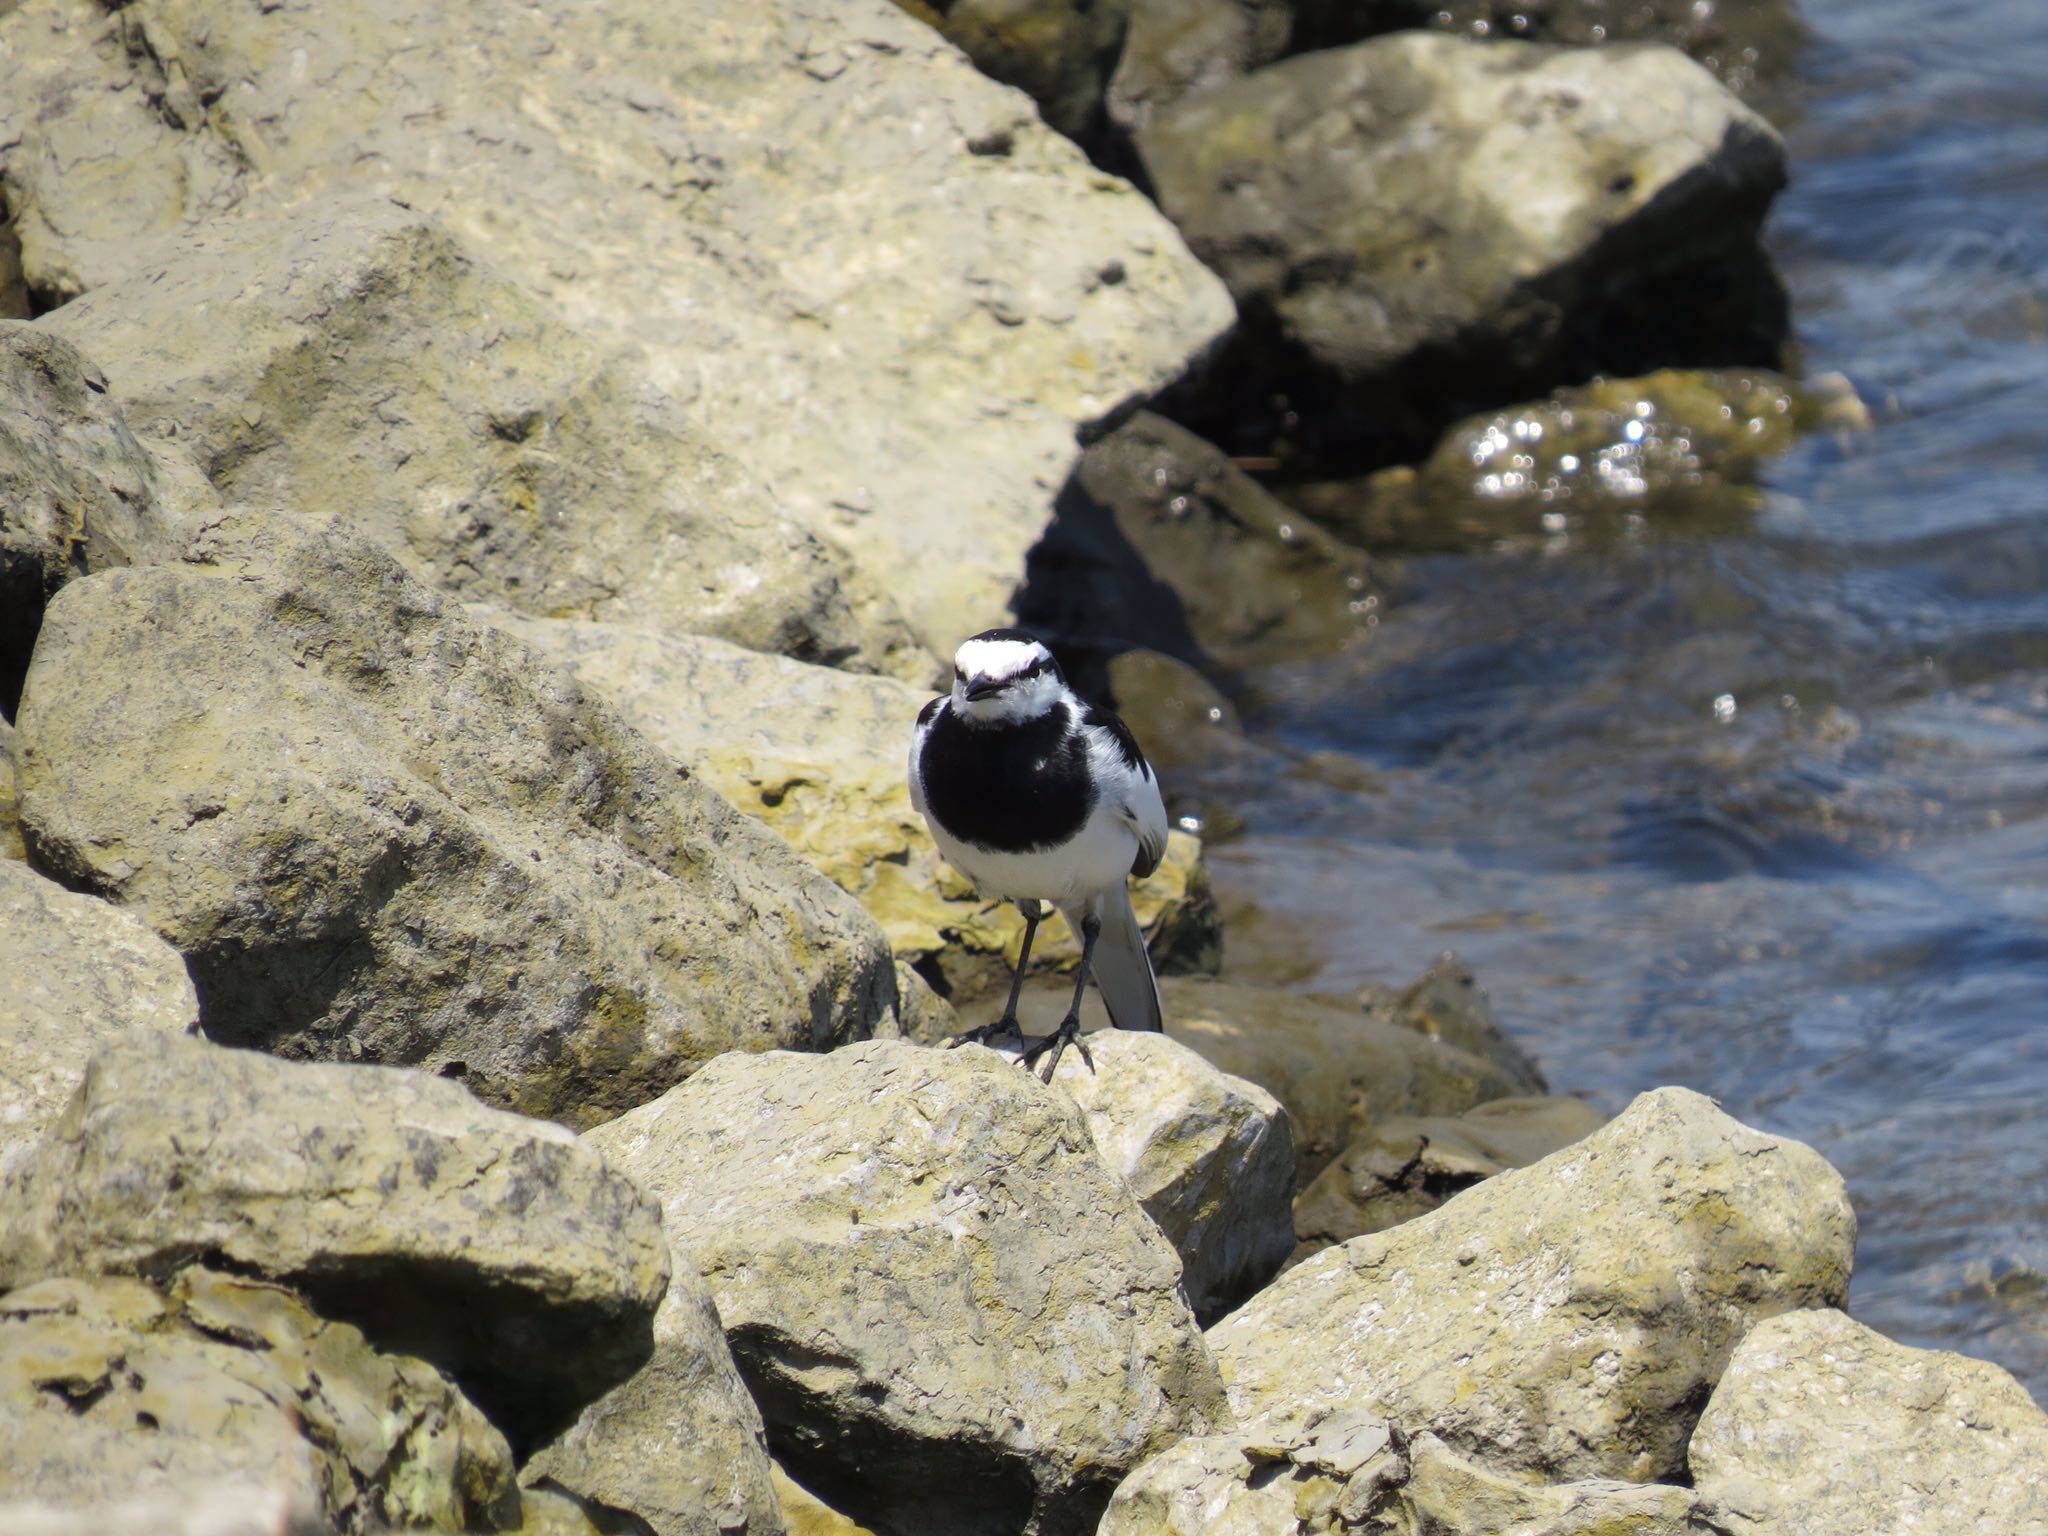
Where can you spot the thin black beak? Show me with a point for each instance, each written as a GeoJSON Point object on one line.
{"type": "Point", "coordinates": [984, 687]}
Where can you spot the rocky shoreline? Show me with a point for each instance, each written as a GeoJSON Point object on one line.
{"type": "Point", "coordinates": [482, 496]}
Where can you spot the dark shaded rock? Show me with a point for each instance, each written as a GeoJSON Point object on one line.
{"type": "Point", "coordinates": [493, 1245]}
{"type": "Point", "coordinates": [1161, 543]}
{"type": "Point", "coordinates": [1058, 52]}
{"type": "Point", "coordinates": [1416, 227]}
{"type": "Point", "coordinates": [1175, 48]}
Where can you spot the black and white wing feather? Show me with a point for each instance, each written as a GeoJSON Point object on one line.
{"type": "Point", "coordinates": [1128, 785]}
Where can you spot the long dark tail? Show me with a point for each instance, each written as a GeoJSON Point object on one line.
{"type": "Point", "coordinates": [1122, 969]}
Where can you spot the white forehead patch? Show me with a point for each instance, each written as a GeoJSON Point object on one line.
{"type": "Point", "coordinates": [996, 659]}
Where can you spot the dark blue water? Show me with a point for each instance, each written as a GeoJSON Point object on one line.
{"type": "Point", "coordinates": [1766, 813]}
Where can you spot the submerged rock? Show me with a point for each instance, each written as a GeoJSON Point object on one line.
{"type": "Point", "coordinates": [898, 329]}
{"type": "Point", "coordinates": [376, 831]}
{"type": "Point", "coordinates": [354, 356]}
{"type": "Point", "coordinates": [225, 1391]}
{"type": "Point", "coordinates": [78, 974]}
{"type": "Point", "coordinates": [1416, 226]}
{"type": "Point", "coordinates": [1822, 1427]}
{"type": "Point", "coordinates": [819, 755]}
{"type": "Point", "coordinates": [956, 1319]}
{"type": "Point", "coordinates": [1408, 1165]}
{"type": "Point", "coordinates": [1337, 1071]}
{"type": "Point", "coordinates": [680, 1445]}
{"type": "Point", "coordinates": [1161, 542]}
{"type": "Point", "coordinates": [1594, 459]}
{"type": "Point", "coordinates": [1512, 1323]}
{"type": "Point", "coordinates": [1209, 1156]}
{"type": "Point", "coordinates": [490, 1244]}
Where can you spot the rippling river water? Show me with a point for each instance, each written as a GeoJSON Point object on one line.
{"type": "Point", "coordinates": [1766, 812]}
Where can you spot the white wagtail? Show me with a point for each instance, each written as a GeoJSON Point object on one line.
{"type": "Point", "coordinates": [1035, 796]}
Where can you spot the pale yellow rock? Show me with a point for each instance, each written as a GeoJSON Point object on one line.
{"type": "Point", "coordinates": [494, 1245]}
{"type": "Point", "coordinates": [953, 1316]}
{"type": "Point", "coordinates": [117, 1398]}
{"type": "Point", "coordinates": [1560, 1321]}
{"type": "Point", "coordinates": [1209, 1156]}
{"type": "Point", "coordinates": [821, 756]}
{"type": "Point", "coordinates": [897, 326]}
{"type": "Point", "coordinates": [1823, 1427]}
{"type": "Point", "coordinates": [80, 972]}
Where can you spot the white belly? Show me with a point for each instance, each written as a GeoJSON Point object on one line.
{"type": "Point", "coordinates": [1099, 859]}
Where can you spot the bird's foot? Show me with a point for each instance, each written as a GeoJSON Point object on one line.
{"type": "Point", "coordinates": [1052, 1046]}
{"type": "Point", "coordinates": [1005, 1027]}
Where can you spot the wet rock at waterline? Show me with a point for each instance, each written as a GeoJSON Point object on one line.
{"type": "Point", "coordinates": [354, 355]}
{"type": "Point", "coordinates": [77, 973]}
{"type": "Point", "coordinates": [226, 1392]}
{"type": "Point", "coordinates": [680, 1445]}
{"type": "Point", "coordinates": [1513, 1323]}
{"type": "Point", "coordinates": [958, 1320]}
{"type": "Point", "coordinates": [818, 755]}
{"type": "Point", "coordinates": [1329, 1471]}
{"type": "Point", "coordinates": [1447, 1003]}
{"type": "Point", "coordinates": [1822, 1427]}
{"type": "Point", "coordinates": [1683, 448]}
{"type": "Point", "coordinates": [898, 329]}
{"type": "Point", "coordinates": [1209, 1156]}
{"type": "Point", "coordinates": [377, 831]}
{"type": "Point", "coordinates": [1174, 48]}
{"type": "Point", "coordinates": [1161, 542]}
{"type": "Point", "coordinates": [491, 1244]}
{"type": "Point", "coordinates": [1748, 44]}
{"type": "Point", "coordinates": [1335, 1070]}
{"type": "Point", "coordinates": [1417, 226]}
{"type": "Point", "coordinates": [1407, 1165]}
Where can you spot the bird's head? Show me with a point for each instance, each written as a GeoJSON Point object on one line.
{"type": "Point", "coordinates": [1004, 675]}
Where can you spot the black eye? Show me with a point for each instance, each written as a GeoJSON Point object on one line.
{"type": "Point", "coordinates": [959, 676]}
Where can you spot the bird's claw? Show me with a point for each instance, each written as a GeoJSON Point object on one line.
{"type": "Point", "coordinates": [1052, 1046]}
{"type": "Point", "coordinates": [987, 1032]}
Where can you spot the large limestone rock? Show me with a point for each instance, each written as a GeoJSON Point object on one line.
{"type": "Point", "coordinates": [203, 1393]}
{"type": "Point", "coordinates": [955, 1319]}
{"type": "Point", "coordinates": [355, 356]}
{"type": "Point", "coordinates": [680, 1445]}
{"type": "Point", "coordinates": [1162, 542]}
{"type": "Point", "coordinates": [1336, 1070]}
{"type": "Point", "coordinates": [819, 755]}
{"type": "Point", "coordinates": [78, 493]}
{"type": "Point", "coordinates": [863, 268]}
{"type": "Point", "coordinates": [79, 973]}
{"type": "Point", "coordinates": [1416, 226]}
{"type": "Point", "coordinates": [1408, 1165]}
{"type": "Point", "coordinates": [1330, 1471]}
{"type": "Point", "coordinates": [1209, 1156]}
{"type": "Point", "coordinates": [376, 831]}
{"type": "Point", "coordinates": [1822, 1427]}
{"type": "Point", "coordinates": [1514, 1326]}
{"type": "Point", "coordinates": [495, 1246]}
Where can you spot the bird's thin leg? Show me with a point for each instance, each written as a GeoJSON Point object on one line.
{"type": "Point", "coordinates": [1034, 912]}
{"type": "Point", "coordinates": [1069, 1031]}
